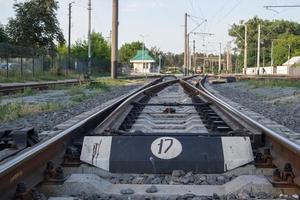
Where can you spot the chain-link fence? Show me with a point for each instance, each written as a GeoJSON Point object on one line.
{"type": "Point", "coordinates": [24, 62]}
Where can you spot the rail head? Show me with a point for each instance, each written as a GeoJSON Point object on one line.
{"type": "Point", "coordinates": [10, 164]}
{"type": "Point", "coordinates": [291, 145]}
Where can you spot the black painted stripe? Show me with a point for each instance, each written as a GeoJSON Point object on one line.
{"type": "Point", "coordinates": [134, 155]}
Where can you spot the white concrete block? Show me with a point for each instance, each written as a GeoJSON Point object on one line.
{"type": "Point", "coordinates": [237, 151]}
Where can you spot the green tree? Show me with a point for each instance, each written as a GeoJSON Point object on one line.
{"type": "Point", "coordinates": [3, 35]}
{"type": "Point", "coordinates": [62, 49]}
{"type": "Point", "coordinates": [282, 45]}
{"type": "Point", "coordinates": [129, 50]}
{"type": "Point", "coordinates": [35, 24]}
{"type": "Point", "coordinates": [269, 30]}
{"type": "Point", "coordinates": [155, 52]}
{"type": "Point", "coordinates": [99, 46]}
{"type": "Point", "coordinates": [172, 60]}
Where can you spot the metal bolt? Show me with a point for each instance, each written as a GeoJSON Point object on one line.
{"type": "Point", "coordinates": [21, 188]}
{"type": "Point", "coordinates": [59, 173]}
{"type": "Point", "coordinates": [288, 167]}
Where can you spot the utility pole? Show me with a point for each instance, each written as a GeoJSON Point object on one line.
{"type": "Point", "coordinates": [114, 45]}
{"type": "Point", "coordinates": [69, 39]}
{"type": "Point", "coordinates": [205, 61]}
{"type": "Point", "coordinates": [194, 55]}
{"type": "Point", "coordinates": [272, 49]}
{"type": "Point", "coordinates": [212, 65]}
{"type": "Point", "coordinates": [246, 50]}
{"type": "Point", "coordinates": [143, 54]}
{"type": "Point", "coordinates": [185, 43]}
{"type": "Point", "coordinates": [188, 60]}
{"type": "Point", "coordinates": [220, 57]}
{"type": "Point", "coordinates": [258, 50]}
{"type": "Point", "coordinates": [89, 39]}
{"type": "Point", "coordinates": [228, 57]}
{"type": "Point", "coordinates": [160, 57]}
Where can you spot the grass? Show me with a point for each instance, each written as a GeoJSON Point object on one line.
{"type": "Point", "coordinates": [78, 94]}
{"type": "Point", "coordinates": [76, 90]}
{"type": "Point", "coordinates": [79, 98]}
{"type": "Point", "coordinates": [99, 85]}
{"type": "Point", "coordinates": [26, 92]}
{"type": "Point", "coordinates": [13, 111]}
{"type": "Point", "coordinates": [106, 84]}
{"type": "Point", "coordinates": [273, 83]}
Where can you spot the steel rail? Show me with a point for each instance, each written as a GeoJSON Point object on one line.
{"type": "Point", "coordinates": [256, 77]}
{"type": "Point", "coordinates": [269, 132]}
{"type": "Point", "coordinates": [39, 147]}
{"type": "Point", "coordinates": [33, 160]}
{"type": "Point", "coordinates": [18, 87]}
{"type": "Point", "coordinates": [113, 116]}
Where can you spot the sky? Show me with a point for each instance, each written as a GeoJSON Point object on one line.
{"type": "Point", "coordinates": [161, 21]}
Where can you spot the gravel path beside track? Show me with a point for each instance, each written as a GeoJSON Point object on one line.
{"type": "Point", "coordinates": [278, 104]}
{"type": "Point", "coordinates": [46, 121]}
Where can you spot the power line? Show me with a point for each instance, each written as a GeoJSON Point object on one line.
{"type": "Point", "coordinates": [283, 6]}
{"type": "Point", "coordinates": [200, 10]}
{"type": "Point", "coordinates": [230, 11]}
{"type": "Point", "coordinates": [280, 6]}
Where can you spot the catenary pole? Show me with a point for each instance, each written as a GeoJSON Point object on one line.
{"type": "Point", "coordinates": [69, 38]}
{"type": "Point", "coordinates": [194, 55]}
{"type": "Point", "coordinates": [89, 38]}
{"type": "Point", "coordinates": [220, 57]}
{"type": "Point", "coordinates": [114, 46]}
{"type": "Point", "coordinates": [272, 50]}
{"type": "Point", "coordinates": [246, 50]}
{"type": "Point", "coordinates": [185, 44]}
{"type": "Point", "coordinates": [258, 50]}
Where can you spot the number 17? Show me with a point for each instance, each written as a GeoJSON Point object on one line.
{"type": "Point", "coordinates": [161, 145]}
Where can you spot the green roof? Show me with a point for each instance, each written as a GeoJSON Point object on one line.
{"type": "Point", "coordinates": [139, 56]}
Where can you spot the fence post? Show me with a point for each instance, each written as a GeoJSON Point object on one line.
{"type": "Point", "coordinates": [7, 67]}
{"type": "Point", "coordinates": [21, 67]}
{"type": "Point", "coordinates": [33, 66]}
{"type": "Point", "coordinates": [43, 64]}
{"type": "Point", "coordinates": [52, 64]}
{"type": "Point", "coordinates": [66, 66]}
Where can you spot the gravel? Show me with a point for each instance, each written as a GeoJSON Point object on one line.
{"type": "Point", "coordinates": [151, 189]}
{"type": "Point", "coordinates": [129, 194]}
{"type": "Point", "coordinates": [127, 191]}
{"type": "Point", "coordinates": [178, 177]}
{"type": "Point", "coordinates": [281, 105]}
{"type": "Point", "coordinates": [46, 121]}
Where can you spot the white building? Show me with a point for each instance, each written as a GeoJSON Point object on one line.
{"type": "Point", "coordinates": [290, 67]}
{"type": "Point", "coordinates": [143, 63]}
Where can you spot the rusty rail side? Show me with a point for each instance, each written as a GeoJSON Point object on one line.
{"type": "Point", "coordinates": [29, 165]}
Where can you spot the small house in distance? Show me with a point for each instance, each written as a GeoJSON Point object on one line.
{"type": "Point", "coordinates": [144, 64]}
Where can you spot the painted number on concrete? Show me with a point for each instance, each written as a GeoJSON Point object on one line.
{"type": "Point", "coordinates": [96, 151]}
{"type": "Point", "coordinates": [166, 148]}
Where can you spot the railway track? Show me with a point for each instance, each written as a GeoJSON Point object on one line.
{"type": "Point", "coordinates": [18, 87]}
{"type": "Point", "coordinates": [172, 138]}
{"type": "Point", "coordinates": [255, 77]}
